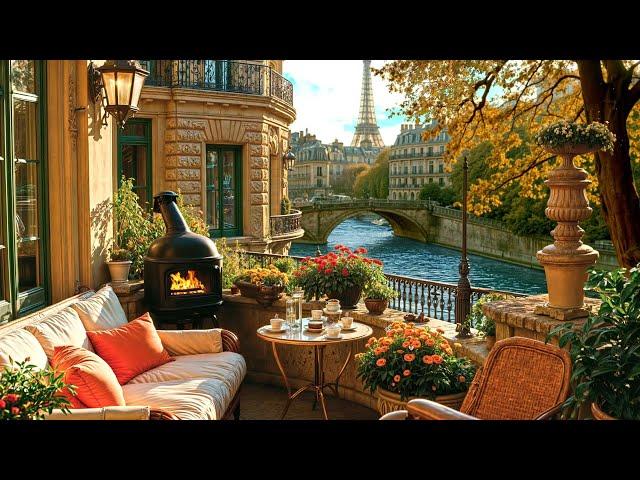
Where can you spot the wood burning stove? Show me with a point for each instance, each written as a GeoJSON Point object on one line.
{"type": "Point", "coordinates": [182, 270]}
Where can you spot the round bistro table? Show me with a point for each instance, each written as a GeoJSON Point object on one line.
{"type": "Point", "coordinates": [304, 338]}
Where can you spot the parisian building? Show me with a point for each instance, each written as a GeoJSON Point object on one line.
{"type": "Point", "coordinates": [415, 162]}
{"type": "Point", "coordinates": [214, 130]}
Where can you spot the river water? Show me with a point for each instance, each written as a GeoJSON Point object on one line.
{"type": "Point", "coordinates": [403, 256]}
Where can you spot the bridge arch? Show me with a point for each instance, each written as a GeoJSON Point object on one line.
{"type": "Point", "coordinates": [409, 222]}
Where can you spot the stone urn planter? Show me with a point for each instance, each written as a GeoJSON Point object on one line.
{"type": "Point", "coordinates": [376, 306]}
{"type": "Point", "coordinates": [391, 402]}
{"type": "Point", "coordinates": [348, 298]}
{"type": "Point", "coordinates": [119, 271]}
{"type": "Point", "coordinates": [267, 294]}
{"type": "Point", "coordinates": [247, 289]}
{"type": "Point", "coordinates": [598, 414]}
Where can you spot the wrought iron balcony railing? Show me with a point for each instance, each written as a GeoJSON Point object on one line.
{"type": "Point", "coordinates": [285, 224]}
{"type": "Point", "coordinates": [219, 75]}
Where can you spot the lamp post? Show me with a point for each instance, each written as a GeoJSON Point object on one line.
{"type": "Point", "coordinates": [463, 294]}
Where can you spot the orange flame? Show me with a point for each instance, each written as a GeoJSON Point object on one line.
{"type": "Point", "coordinates": [186, 286]}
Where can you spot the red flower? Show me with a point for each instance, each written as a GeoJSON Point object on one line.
{"type": "Point", "coordinates": [15, 410]}
{"type": "Point", "coordinates": [377, 262]}
{"type": "Point", "coordinates": [345, 272]}
{"type": "Point", "coordinates": [320, 267]}
{"type": "Point", "coordinates": [328, 271]}
{"type": "Point", "coordinates": [11, 398]}
{"type": "Point", "coordinates": [2, 404]}
{"type": "Point", "coordinates": [339, 246]}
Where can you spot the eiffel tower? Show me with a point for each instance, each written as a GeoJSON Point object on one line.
{"type": "Point", "coordinates": [367, 132]}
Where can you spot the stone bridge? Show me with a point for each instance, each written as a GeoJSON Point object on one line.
{"type": "Point", "coordinates": [407, 218]}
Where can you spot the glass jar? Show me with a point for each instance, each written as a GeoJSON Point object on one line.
{"type": "Point", "coordinates": [291, 312]}
{"type": "Point", "coordinates": [298, 296]}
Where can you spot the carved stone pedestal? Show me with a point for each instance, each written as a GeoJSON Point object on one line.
{"type": "Point", "coordinates": [566, 261]}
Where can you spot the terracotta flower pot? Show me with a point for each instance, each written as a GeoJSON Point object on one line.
{"type": "Point", "coordinates": [234, 289]}
{"type": "Point", "coordinates": [376, 306]}
{"type": "Point", "coordinates": [269, 294]}
{"type": "Point", "coordinates": [390, 402]}
{"type": "Point", "coordinates": [599, 414]}
{"type": "Point", "coordinates": [348, 298]}
{"type": "Point", "coordinates": [247, 289]}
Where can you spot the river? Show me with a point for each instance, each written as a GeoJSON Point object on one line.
{"type": "Point", "coordinates": [403, 256]}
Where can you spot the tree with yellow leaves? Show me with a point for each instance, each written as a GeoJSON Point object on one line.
{"type": "Point", "coordinates": [492, 100]}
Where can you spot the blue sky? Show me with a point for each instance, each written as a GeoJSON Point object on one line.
{"type": "Point", "coordinates": [326, 95]}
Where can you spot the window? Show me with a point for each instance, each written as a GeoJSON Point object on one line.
{"type": "Point", "coordinates": [318, 182]}
{"type": "Point", "coordinates": [421, 170]}
{"type": "Point", "coordinates": [430, 179]}
{"type": "Point", "coordinates": [414, 169]}
{"type": "Point", "coordinates": [413, 152]}
{"type": "Point", "coordinates": [404, 196]}
{"type": "Point", "coordinates": [413, 197]}
{"type": "Point", "coordinates": [430, 167]}
{"type": "Point", "coordinates": [224, 190]}
{"type": "Point", "coordinates": [441, 168]}
{"type": "Point", "coordinates": [421, 150]}
{"type": "Point", "coordinates": [441, 149]}
{"type": "Point", "coordinates": [441, 181]}
{"type": "Point", "coordinates": [431, 151]}
{"type": "Point", "coordinates": [394, 195]}
{"type": "Point", "coordinates": [134, 158]}
{"type": "Point", "coordinates": [23, 196]}
{"type": "Point", "coordinates": [319, 171]}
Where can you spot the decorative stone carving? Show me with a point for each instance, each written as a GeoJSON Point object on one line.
{"type": "Point", "coordinates": [177, 148]}
{"type": "Point", "coordinates": [565, 261]}
{"type": "Point", "coordinates": [259, 187]}
{"type": "Point", "coordinates": [259, 174]}
{"type": "Point", "coordinates": [274, 142]}
{"type": "Point", "coordinates": [186, 123]}
{"type": "Point", "coordinates": [257, 138]}
{"type": "Point", "coordinates": [259, 199]}
{"type": "Point", "coordinates": [188, 187]}
{"type": "Point", "coordinates": [259, 150]}
{"type": "Point", "coordinates": [259, 162]}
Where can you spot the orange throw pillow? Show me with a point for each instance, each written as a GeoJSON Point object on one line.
{"type": "Point", "coordinates": [96, 384]}
{"type": "Point", "coordinates": [131, 349]}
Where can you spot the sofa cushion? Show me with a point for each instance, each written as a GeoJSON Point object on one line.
{"type": "Point", "coordinates": [101, 311]}
{"type": "Point", "coordinates": [62, 328]}
{"type": "Point", "coordinates": [197, 387]}
{"type": "Point", "coordinates": [191, 342]}
{"type": "Point", "coordinates": [130, 349]}
{"type": "Point", "coordinates": [96, 384]}
{"type": "Point", "coordinates": [20, 345]}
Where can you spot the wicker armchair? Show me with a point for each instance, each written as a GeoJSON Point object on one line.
{"type": "Point", "coordinates": [522, 379]}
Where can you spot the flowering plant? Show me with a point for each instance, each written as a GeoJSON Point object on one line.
{"type": "Point", "coordinates": [414, 362]}
{"type": "Point", "coordinates": [338, 271]}
{"type": "Point", "coordinates": [380, 291]}
{"type": "Point", "coordinates": [263, 276]}
{"type": "Point", "coordinates": [570, 133]}
{"type": "Point", "coordinates": [27, 393]}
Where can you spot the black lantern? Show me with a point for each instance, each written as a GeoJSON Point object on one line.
{"type": "Point", "coordinates": [289, 160]}
{"type": "Point", "coordinates": [122, 81]}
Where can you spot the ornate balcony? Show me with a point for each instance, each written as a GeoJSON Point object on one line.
{"type": "Point", "coordinates": [287, 226]}
{"type": "Point", "coordinates": [219, 75]}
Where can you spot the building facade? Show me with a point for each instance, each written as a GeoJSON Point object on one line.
{"type": "Point", "coordinates": [214, 130]}
{"type": "Point", "coordinates": [319, 165]}
{"type": "Point", "coordinates": [414, 162]}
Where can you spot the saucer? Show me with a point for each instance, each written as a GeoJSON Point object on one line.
{"type": "Point", "coordinates": [269, 329]}
{"type": "Point", "coordinates": [327, 337]}
{"type": "Point", "coordinates": [352, 328]}
{"type": "Point", "coordinates": [337, 312]}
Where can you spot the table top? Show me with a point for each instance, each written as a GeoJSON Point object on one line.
{"type": "Point", "coordinates": [304, 337]}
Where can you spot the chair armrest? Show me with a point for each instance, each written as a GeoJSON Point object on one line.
{"type": "Point", "coordinates": [230, 341]}
{"type": "Point", "coordinates": [191, 342]}
{"type": "Point", "coordinates": [422, 409]}
{"type": "Point", "coordinates": [396, 415]}
{"type": "Point", "coordinates": [550, 413]}
{"type": "Point", "coordinates": [162, 415]}
{"type": "Point", "coordinates": [103, 413]}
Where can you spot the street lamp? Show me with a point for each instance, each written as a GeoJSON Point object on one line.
{"type": "Point", "coordinates": [463, 294]}
{"type": "Point", "coordinates": [122, 81]}
{"type": "Point", "coordinates": [289, 160]}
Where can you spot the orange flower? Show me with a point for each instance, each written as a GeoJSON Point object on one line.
{"type": "Point", "coordinates": [444, 343]}
{"type": "Point", "coordinates": [381, 362]}
{"type": "Point", "coordinates": [408, 331]}
{"type": "Point", "coordinates": [449, 351]}
{"type": "Point", "coordinates": [400, 351]}
{"type": "Point", "coordinates": [411, 324]}
{"type": "Point", "coordinates": [416, 344]}
{"type": "Point", "coordinates": [430, 343]}
{"type": "Point", "coordinates": [406, 373]}
{"type": "Point", "coordinates": [384, 348]}
{"type": "Point", "coordinates": [409, 357]}
{"type": "Point", "coordinates": [437, 359]}
{"type": "Point", "coordinates": [440, 330]}
{"type": "Point", "coordinates": [461, 379]}
{"type": "Point", "coordinates": [371, 341]}
{"type": "Point", "coordinates": [427, 359]}
{"type": "Point", "coordinates": [396, 378]}
{"type": "Point", "coordinates": [377, 351]}
{"type": "Point", "coordinates": [457, 345]}
{"type": "Point", "coordinates": [391, 333]}
{"type": "Point", "coordinates": [405, 344]}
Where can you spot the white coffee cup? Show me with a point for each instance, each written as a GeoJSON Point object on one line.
{"type": "Point", "coordinates": [276, 323]}
{"type": "Point", "coordinates": [333, 305]}
{"type": "Point", "coordinates": [346, 322]}
{"type": "Point", "coordinates": [333, 330]}
{"type": "Point", "coordinates": [316, 314]}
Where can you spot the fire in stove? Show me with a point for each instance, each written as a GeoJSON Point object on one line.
{"type": "Point", "coordinates": [189, 285]}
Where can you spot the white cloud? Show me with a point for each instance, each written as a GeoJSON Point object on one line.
{"type": "Point", "coordinates": [327, 98]}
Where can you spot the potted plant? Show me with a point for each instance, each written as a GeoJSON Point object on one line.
{"type": "Point", "coordinates": [571, 138]}
{"type": "Point", "coordinates": [342, 274]}
{"type": "Point", "coordinates": [263, 284]}
{"type": "Point", "coordinates": [119, 264]}
{"type": "Point", "coordinates": [28, 393]}
{"type": "Point", "coordinates": [377, 298]}
{"type": "Point", "coordinates": [285, 206]}
{"type": "Point", "coordinates": [413, 362]}
{"type": "Point", "coordinates": [605, 349]}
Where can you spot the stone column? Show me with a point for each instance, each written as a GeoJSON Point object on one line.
{"type": "Point", "coordinates": [183, 158]}
{"type": "Point", "coordinates": [256, 135]}
{"type": "Point", "coordinates": [565, 261]}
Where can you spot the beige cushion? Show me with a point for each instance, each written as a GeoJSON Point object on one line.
{"type": "Point", "coordinates": [191, 342]}
{"type": "Point", "coordinates": [61, 329]}
{"type": "Point", "coordinates": [20, 345]}
{"type": "Point", "coordinates": [101, 311]}
{"type": "Point", "coordinates": [198, 387]}
{"type": "Point", "coordinates": [103, 413]}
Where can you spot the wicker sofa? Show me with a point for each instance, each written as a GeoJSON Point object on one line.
{"type": "Point", "coordinates": [202, 383]}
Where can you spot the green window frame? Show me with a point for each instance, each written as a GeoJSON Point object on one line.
{"type": "Point", "coordinates": [224, 218]}
{"type": "Point", "coordinates": [24, 258]}
{"type": "Point", "coordinates": [135, 140]}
